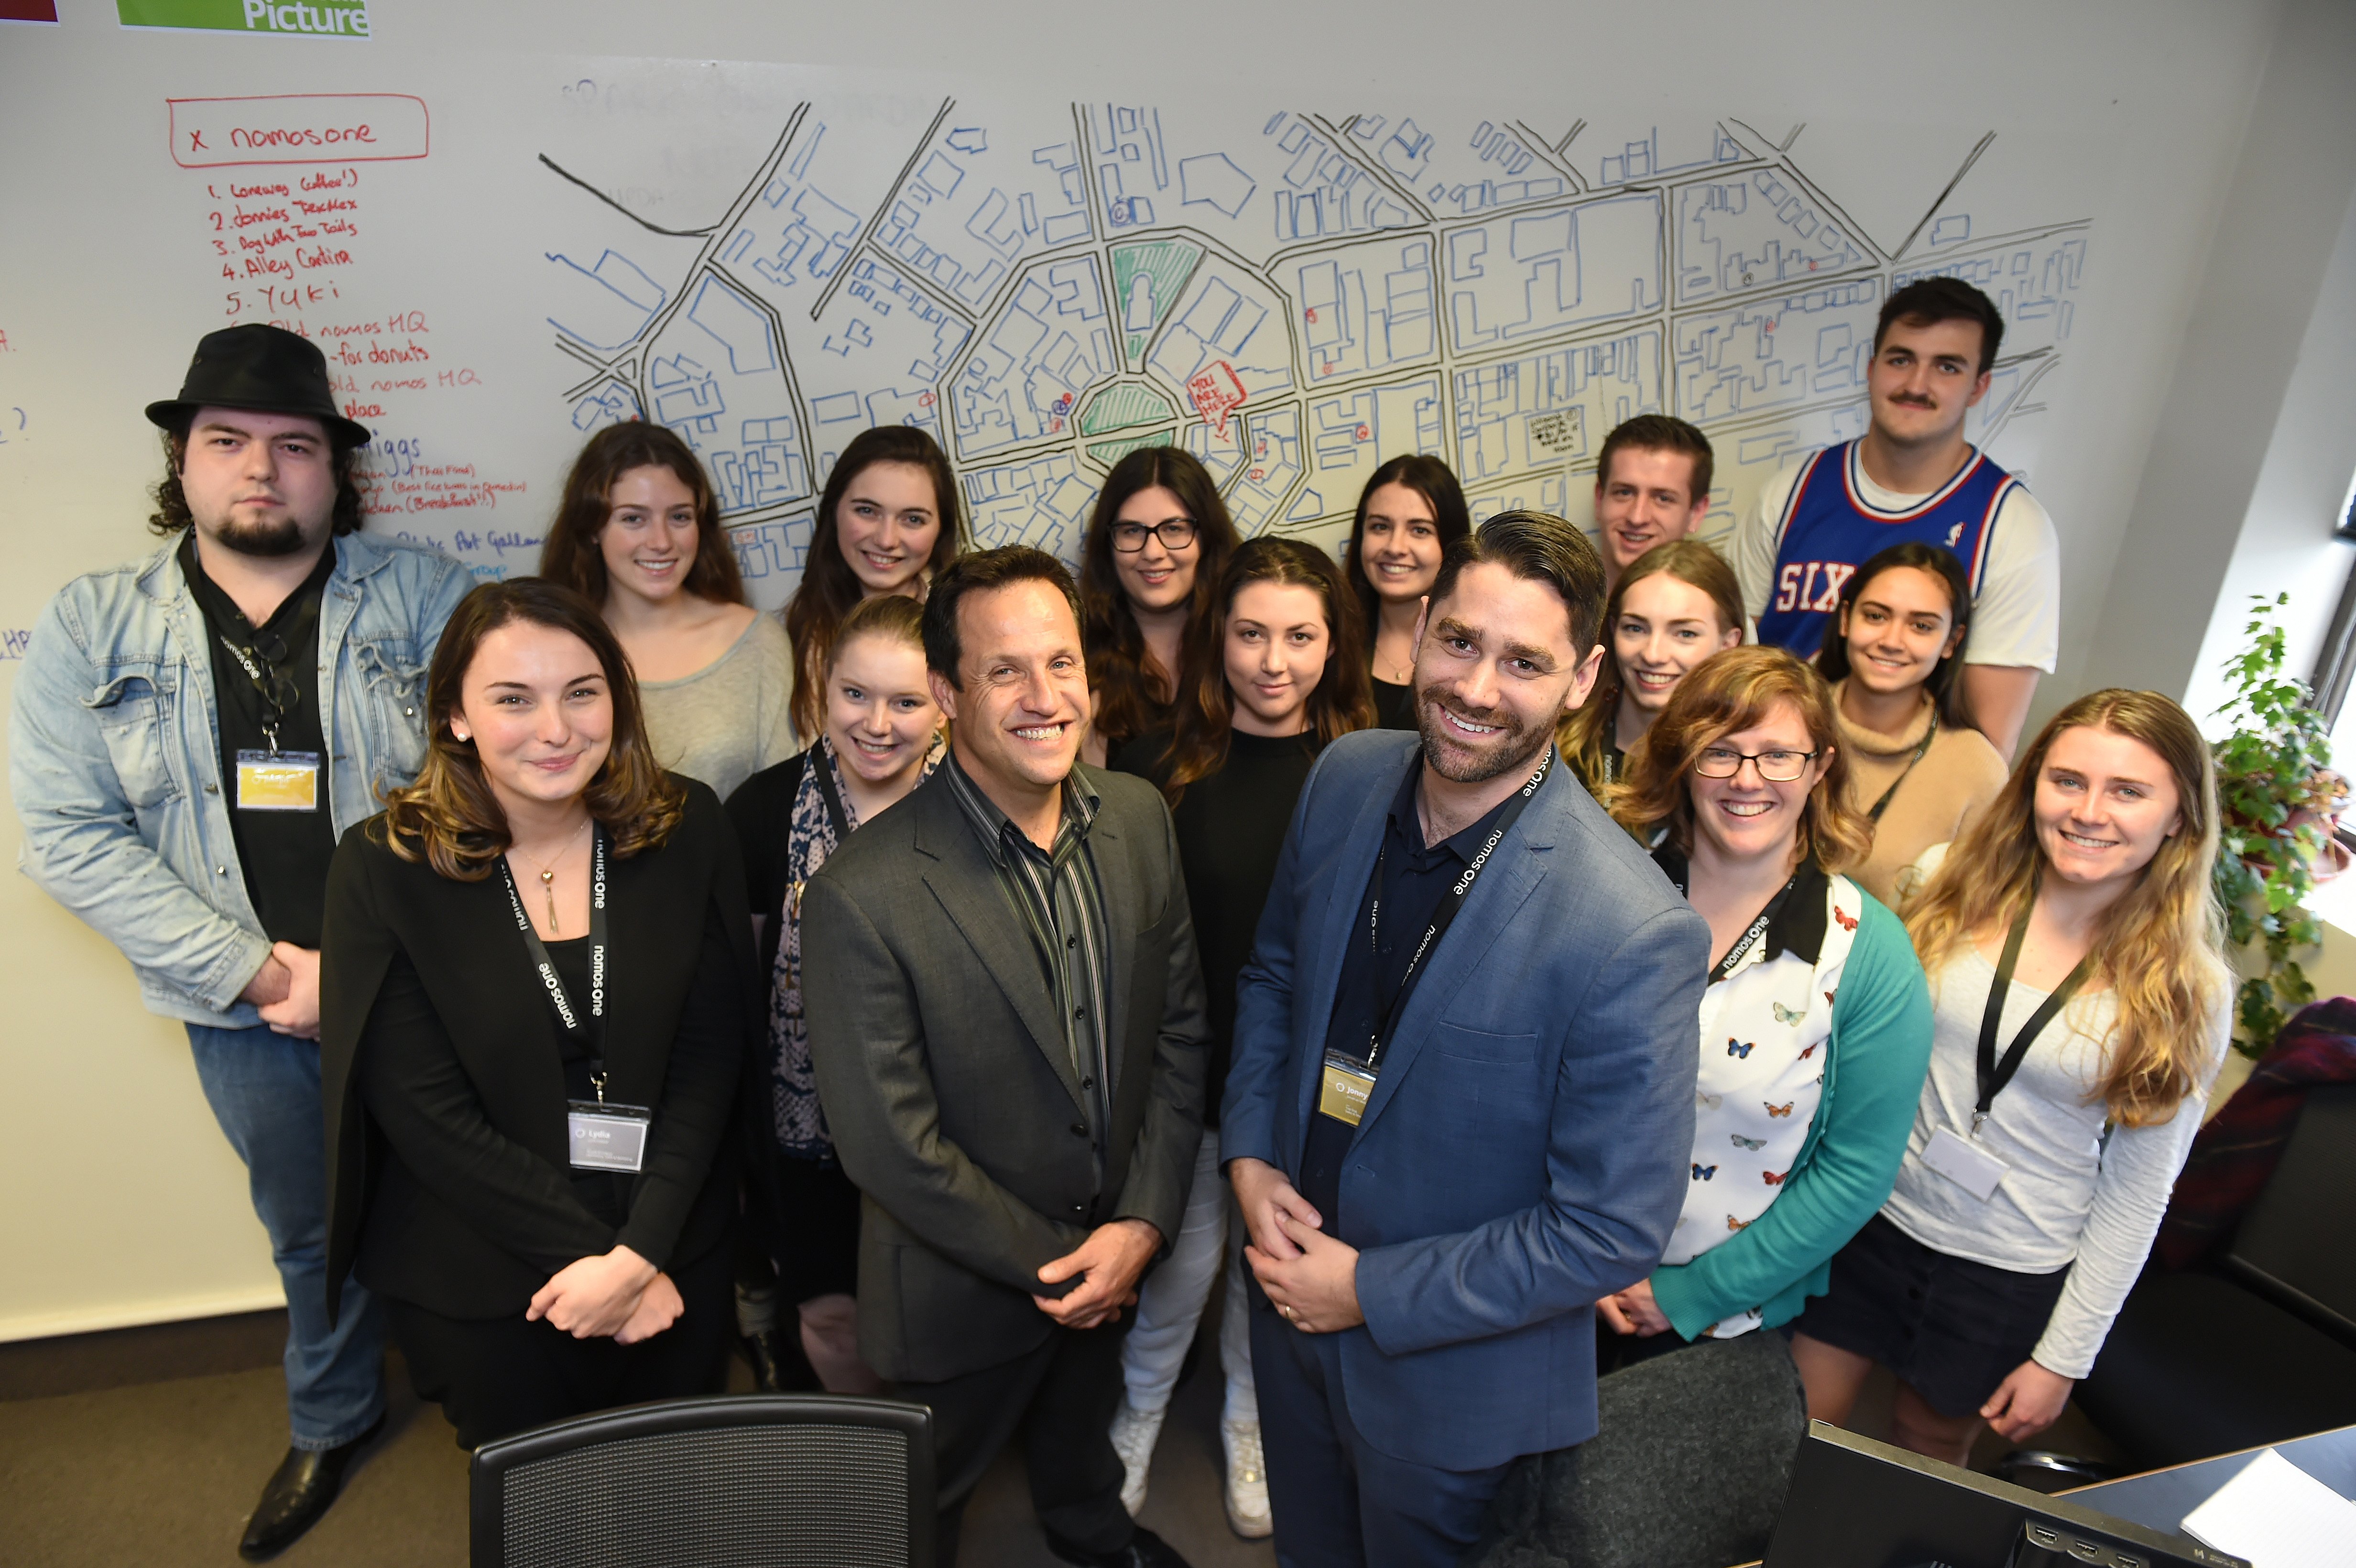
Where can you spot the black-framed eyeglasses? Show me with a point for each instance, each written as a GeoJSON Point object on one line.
{"type": "Point", "coordinates": [1175, 533]}
{"type": "Point", "coordinates": [1776, 767]}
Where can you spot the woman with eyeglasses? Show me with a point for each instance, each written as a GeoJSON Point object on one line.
{"type": "Point", "coordinates": [2082, 1010]}
{"type": "Point", "coordinates": [1917, 769]}
{"type": "Point", "coordinates": [1815, 1026]}
{"type": "Point", "coordinates": [1157, 542]}
{"type": "Point", "coordinates": [1676, 605]}
{"type": "Point", "coordinates": [1411, 510]}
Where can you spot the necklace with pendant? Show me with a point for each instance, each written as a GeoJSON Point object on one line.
{"type": "Point", "coordinates": [548, 876]}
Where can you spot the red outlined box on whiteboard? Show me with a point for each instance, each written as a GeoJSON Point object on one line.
{"type": "Point", "coordinates": [300, 128]}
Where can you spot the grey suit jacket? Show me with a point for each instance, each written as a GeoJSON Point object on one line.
{"type": "Point", "coordinates": [944, 1074]}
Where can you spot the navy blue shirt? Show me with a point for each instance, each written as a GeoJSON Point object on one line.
{"type": "Point", "coordinates": [1413, 880]}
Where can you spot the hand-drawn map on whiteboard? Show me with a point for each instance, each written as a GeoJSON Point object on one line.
{"type": "Point", "coordinates": [1294, 300]}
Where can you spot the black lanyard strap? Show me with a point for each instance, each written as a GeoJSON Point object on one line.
{"type": "Point", "coordinates": [1451, 905]}
{"type": "Point", "coordinates": [1993, 1074]}
{"type": "Point", "coordinates": [280, 696]}
{"type": "Point", "coordinates": [822, 761]}
{"type": "Point", "coordinates": [591, 1030]}
{"type": "Point", "coordinates": [1750, 938]}
{"type": "Point", "coordinates": [1921, 747]}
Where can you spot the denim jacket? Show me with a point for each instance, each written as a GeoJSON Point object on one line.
{"type": "Point", "coordinates": [114, 754]}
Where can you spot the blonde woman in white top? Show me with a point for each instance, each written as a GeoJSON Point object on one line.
{"type": "Point", "coordinates": [2054, 1121]}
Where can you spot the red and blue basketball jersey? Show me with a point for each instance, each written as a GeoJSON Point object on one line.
{"type": "Point", "coordinates": [1828, 528]}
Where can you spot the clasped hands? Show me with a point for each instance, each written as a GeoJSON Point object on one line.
{"type": "Point", "coordinates": [1109, 1263]}
{"type": "Point", "coordinates": [1310, 1278]}
{"type": "Point", "coordinates": [617, 1294]}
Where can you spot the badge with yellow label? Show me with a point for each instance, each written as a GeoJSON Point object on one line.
{"type": "Point", "coordinates": [278, 781]}
{"type": "Point", "coordinates": [1344, 1092]}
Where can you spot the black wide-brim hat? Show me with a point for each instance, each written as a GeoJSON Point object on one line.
{"type": "Point", "coordinates": [266, 369]}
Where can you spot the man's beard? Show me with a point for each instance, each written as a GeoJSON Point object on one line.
{"type": "Point", "coordinates": [1513, 746]}
{"type": "Point", "coordinates": [280, 536]}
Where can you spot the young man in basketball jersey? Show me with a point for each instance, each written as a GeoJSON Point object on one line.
{"type": "Point", "coordinates": [1913, 476]}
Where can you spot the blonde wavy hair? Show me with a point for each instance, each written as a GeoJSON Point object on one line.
{"type": "Point", "coordinates": [449, 817]}
{"type": "Point", "coordinates": [1728, 692]}
{"type": "Point", "coordinates": [2159, 948]}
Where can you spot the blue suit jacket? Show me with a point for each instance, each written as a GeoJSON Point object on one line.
{"type": "Point", "coordinates": [1524, 1149]}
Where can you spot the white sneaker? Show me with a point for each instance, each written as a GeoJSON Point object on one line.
{"type": "Point", "coordinates": [1134, 1433]}
{"type": "Point", "coordinates": [1248, 1511]}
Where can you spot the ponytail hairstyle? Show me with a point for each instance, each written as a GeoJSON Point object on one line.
{"type": "Point", "coordinates": [1585, 733]}
{"type": "Point", "coordinates": [1945, 684]}
{"type": "Point", "coordinates": [1343, 700]}
{"type": "Point", "coordinates": [1452, 519]}
{"type": "Point", "coordinates": [1128, 701]}
{"type": "Point", "coordinates": [829, 587]}
{"type": "Point", "coordinates": [1728, 692]}
{"type": "Point", "coordinates": [2159, 947]}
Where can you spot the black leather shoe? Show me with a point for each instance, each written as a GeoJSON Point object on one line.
{"type": "Point", "coordinates": [299, 1493]}
{"type": "Point", "coordinates": [778, 1364]}
{"type": "Point", "coordinates": [1145, 1550]}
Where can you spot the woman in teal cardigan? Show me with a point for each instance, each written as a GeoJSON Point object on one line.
{"type": "Point", "coordinates": [1815, 1027]}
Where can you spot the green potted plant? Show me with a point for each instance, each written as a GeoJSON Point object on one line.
{"type": "Point", "coordinates": [2279, 805]}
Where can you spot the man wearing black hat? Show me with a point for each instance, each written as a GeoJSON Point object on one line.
{"type": "Point", "coordinates": [190, 735]}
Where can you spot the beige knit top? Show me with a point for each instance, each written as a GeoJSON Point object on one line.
{"type": "Point", "coordinates": [1959, 776]}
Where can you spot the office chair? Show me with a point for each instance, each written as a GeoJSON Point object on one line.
{"type": "Point", "coordinates": [728, 1481]}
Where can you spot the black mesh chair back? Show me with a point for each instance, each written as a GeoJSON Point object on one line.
{"type": "Point", "coordinates": [732, 1481]}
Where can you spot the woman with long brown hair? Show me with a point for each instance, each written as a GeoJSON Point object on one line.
{"type": "Point", "coordinates": [1156, 544]}
{"type": "Point", "coordinates": [535, 993]}
{"type": "Point", "coordinates": [637, 534]}
{"type": "Point", "coordinates": [888, 522]}
{"type": "Point", "coordinates": [1280, 672]}
{"type": "Point", "coordinates": [1411, 510]}
{"type": "Point", "coordinates": [1813, 1025]}
{"type": "Point", "coordinates": [1676, 605]}
{"type": "Point", "coordinates": [2083, 1006]}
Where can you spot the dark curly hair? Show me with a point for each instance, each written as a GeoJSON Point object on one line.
{"type": "Point", "coordinates": [172, 515]}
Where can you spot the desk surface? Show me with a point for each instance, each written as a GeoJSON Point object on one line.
{"type": "Point", "coordinates": [2160, 1499]}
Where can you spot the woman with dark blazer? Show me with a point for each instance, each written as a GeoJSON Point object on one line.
{"type": "Point", "coordinates": [536, 993]}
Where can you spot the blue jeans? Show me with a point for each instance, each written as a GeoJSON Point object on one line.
{"type": "Point", "coordinates": [265, 1090]}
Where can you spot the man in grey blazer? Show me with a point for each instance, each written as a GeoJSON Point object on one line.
{"type": "Point", "coordinates": [1006, 1018]}
{"type": "Point", "coordinates": [1461, 1108]}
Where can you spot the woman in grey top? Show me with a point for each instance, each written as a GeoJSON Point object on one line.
{"type": "Point", "coordinates": [639, 533]}
{"type": "Point", "coordinates": [2082, 1006]}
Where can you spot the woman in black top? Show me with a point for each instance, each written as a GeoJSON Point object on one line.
{"type": "Point", "coordinates": [882, 739]}
{"type": "Point", "coordinates": [535, 1003]}
{"type": "Point", "coordinates": [1411, 510]}
{"type": "Point", "coordinates": [1280, 672]}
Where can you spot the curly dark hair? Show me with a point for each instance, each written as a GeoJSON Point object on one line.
{"type": "Point", "coordinates": [172, 515]}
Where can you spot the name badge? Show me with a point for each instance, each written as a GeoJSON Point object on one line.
{"type": "Point", "coordinates": [278, 781]}
{"type": "Point", "coordinates": [607, 1137]}
{"type": "Point", "coordinates": [1966, 1164]}
{"type": "Point", "coordinates": [1344, 1093]}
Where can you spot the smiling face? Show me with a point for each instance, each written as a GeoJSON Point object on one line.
{"type": "Point", "coordinates": [887, 523]}
{"type": "Point", "coordinates": [1276, 648]}
{"type": "Point", "coordinates": [1666, 626]}
{"type": "Point", "coordinates": [1494, 670]}
{"type": "Point", "coordinates": [1157, 577]}
{"type": "Point", "coordinates": [1922, 381]}
{"type": "Point", "coordinates": [1646, 499]}
{"type": "Point", "coordinates": [538, 707]}
{"type": "Point", "coordinates": [1898, 629]}
{"type": "Point", "coordinates": [1749, 816]}
{"type": "Point", "coordinates": [1399, 548]}
{"type": "Point", "coordinates": [2104, 803]}
{"type": "Point", "coordinates": [258, 484]}
{"type": "Point", "coordinates": [1016, 722]}
{"type": "Point", "coordinates": [650, 540]}
{"type": "Point", "coordinates": [880, 711]}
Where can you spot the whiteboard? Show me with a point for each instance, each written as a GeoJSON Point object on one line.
{"type": "Point", "coordinates": [499, 255]}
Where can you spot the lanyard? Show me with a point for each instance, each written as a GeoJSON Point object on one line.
{"type": "Point", "coordinates": [822, 761]}
{"type": "Point", "coordinates": [1750, 938]}
{"type": "Point", "coordinates": [278, 691]}
{"type": "Point", "coordinates": [566, 1014]}
{"type": "Point", "coordinates": [1445, 916]}
{"type": "Point", "coordinates": [1994, 1075]}
{"type": "Point", "coordinates": [1929, 735]}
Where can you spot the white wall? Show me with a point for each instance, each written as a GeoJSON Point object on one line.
{"type": "Point", "coordinates": [125, 1204]}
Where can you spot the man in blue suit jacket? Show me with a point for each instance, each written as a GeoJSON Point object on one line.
{"type": "Point", "coordinates": [1451, 1135]}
